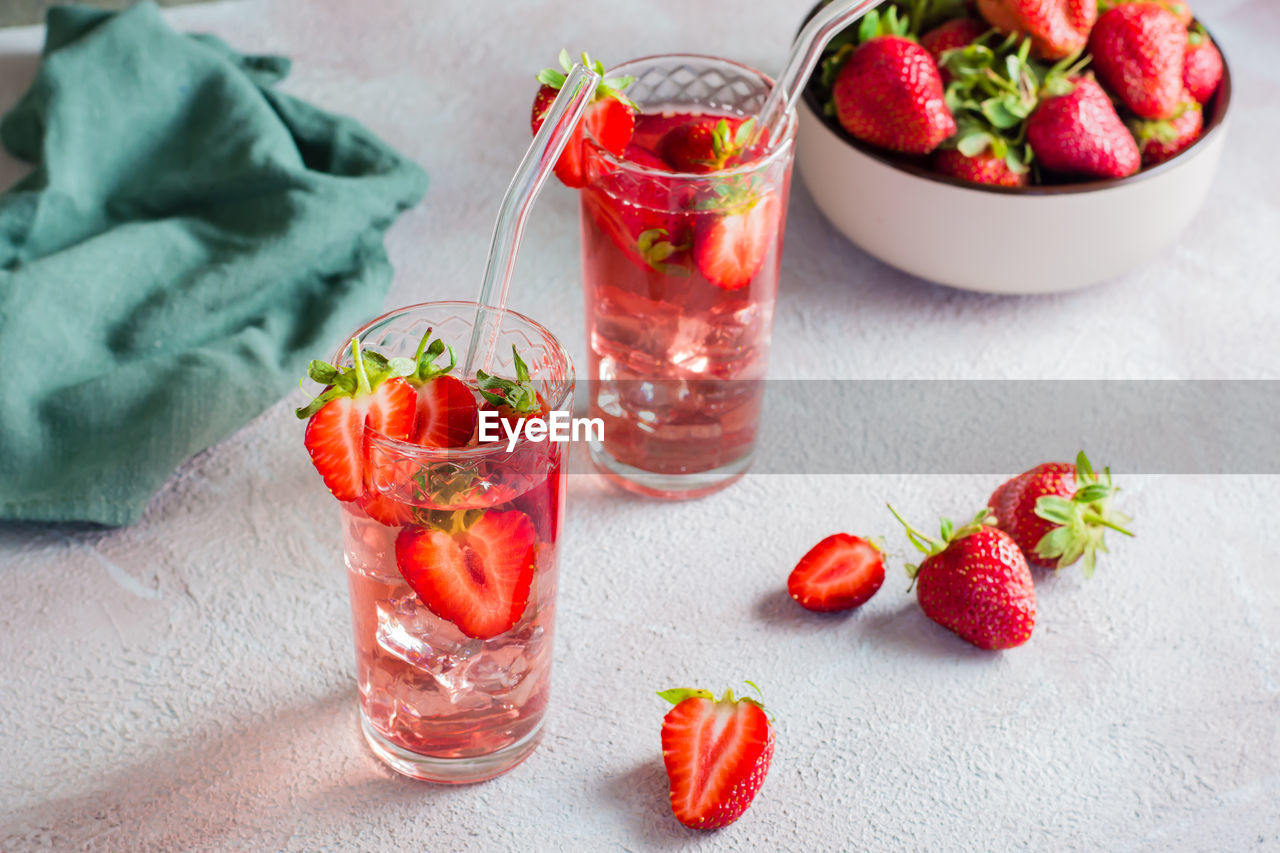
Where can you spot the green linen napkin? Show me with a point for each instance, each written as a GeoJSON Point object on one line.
{"type": "Point", "coordinates": [188, 240]}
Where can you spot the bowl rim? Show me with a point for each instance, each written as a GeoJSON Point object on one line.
{"type": "Point", "coordinates": [1220, 102]}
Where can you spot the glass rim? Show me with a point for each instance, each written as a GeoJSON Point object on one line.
{"type": "Point", "coordinates": [454, 454]}
{"type": "Point", "coordinates": [775, 153]}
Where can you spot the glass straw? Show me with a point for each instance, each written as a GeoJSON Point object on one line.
{"type": "Point", "coordinates": [561, 119]}
{"type": "Point", "coordinates": [804, 56]}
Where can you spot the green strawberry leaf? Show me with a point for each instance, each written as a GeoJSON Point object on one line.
{"type": "Point", "coordinates": [676, 695]}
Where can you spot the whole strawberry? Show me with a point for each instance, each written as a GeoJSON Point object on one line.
{"type": "Point", "coordinates": [889, 93]}
{"type": "Point", "coordinates": [975, 582]}
{"type": "Point", "coordinates": [1076, 131]}
{"type": "Point", "coordinates": [949, 35]}
{"type": "Point", "coordinates": [717, 754]}
{"type": "Point", "coordinates": [1058, 512]}
{"type": "Point", "coordinates": [1138, 51]}
{"type": "Point", "coordinates": [982, 168]}
{"type": "Point", "coordinates": [1161, 139]}
{"type": "Point", "coordinates": [1202, 65]}
{"type": "Point", "coordinates": [1058, 28]}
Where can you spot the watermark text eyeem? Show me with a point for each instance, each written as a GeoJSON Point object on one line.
{"type": "Point", "coordinates": [556, 426]}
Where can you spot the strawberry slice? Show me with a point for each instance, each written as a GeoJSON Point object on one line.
{"type": "Point", "coordinates": [478, 578]}
{"type": "Point", "coordinates": [610, 117]}
{"type": "Point", "coordinates": [386, 510]}
{"type": "Point", "coordinates": [729, 248]}
{"type": "Point", "coordinates": [839, 573]}
{"type": "Point", "coordinates": [705, 144]}
{"type": "Point", "coordinates": [717, 755]}
{"type": "Point", "coordinates": [447, 413]}
{"type": "Point", "coordinates": [369, 393]}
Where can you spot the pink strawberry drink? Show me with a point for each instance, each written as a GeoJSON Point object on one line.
{"type": "Point", "coordinates": [681, 243]}
{"type": "Point", "coordinates": [451, 561]}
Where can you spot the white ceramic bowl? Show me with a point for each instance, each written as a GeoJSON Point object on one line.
{"type": "Point", "coordinates": [997, 239]}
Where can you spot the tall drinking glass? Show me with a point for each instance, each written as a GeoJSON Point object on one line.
{"type": "Point", "coordinates": [680, 275]}
{"type": "Point", "coordinates": [453, 687]}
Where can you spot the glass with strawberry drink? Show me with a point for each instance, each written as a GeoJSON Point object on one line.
{"type": "Point", "coordinates": [684, 167]}
{"type": "Point", "coordinates": [451, 523]}
{"type": "Point", "coordinates": [450, 541]}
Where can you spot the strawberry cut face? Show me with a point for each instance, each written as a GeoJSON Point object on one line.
{"type": "Point", "coordinates": [446, 413]}
{"type": "Point", "coordinates": [717, 754]}
{"type": "Point", "coordinates": [335, 435]}
{"type": "Point", "coordinates": [479, 578]}
{"type": "Point", "coordinates": [730, 247]}
{"type": "Point", "coordinates": [839, 573]}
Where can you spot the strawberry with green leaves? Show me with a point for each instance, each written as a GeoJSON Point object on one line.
{"type": "Point", "coordinates": [513, 399]}
{"type": "Point", "coordinates": [1058, 512]}
{"type": "Point", "coordinates": [732, 242]}
{"type": "Point", "coordinates": [706, 144]}
{"type": "Point", "coordinates": [610, 117]}
{"type": "Point", "coordinates": [371, 394]}
{"type": "Point", "coordinates": [1202, 67]}
{"type": "Point", "coordinates": [1161, 139]}
{"type": "Point", "coordinates": [717, 754]}
{"type": "Point", "coordinates": [446, 408]}
{"type": "Point", "coordinates": [476, 573]}
{"type": "Point", "coordinates": [951, 35]}
{"type": "Point", "coordinates": [993, 91]}
{"type": "Point", "coordinates": [1057, 28]}
{"type": "Point", "coordinates": [1138, 54]}
{"type": "Point", "coordinates": [974, 581]}
{"type": "Point", "coordinates": [889, 93]}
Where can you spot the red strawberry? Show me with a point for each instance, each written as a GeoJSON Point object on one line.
{"type": "Point", "coordinates": [839, 573]}
{"type": "Point", "coordinates": [717, 755]}
{"type": "Point", "coordinates": [1058, 512]}
{"type": "Point", "coordinates": [949, 35]}
{"type": "Point", "coordinates": [1202, 65]}
{"type": "Point", "coordinates": [889, 93]}
{"type": "Point", "coordinates": [706, 144]}
{"type": "Point", "coordinates": [1080, 133]}
{"type": "Point", "coordinates": [974, 581]}
{"type": "Point", "coordinates": [1180, 9]}
{"type": "Point", "coordinates": [447, 413]}
{"type": "Point", "coordinates": [981, 168]}
{"type": "Point", "coordinates": [1160, 139]}
{"type": "Point", "coordinates": [1058, 28]}
{"type": "Point", "coordinates": [479, 577]}
{"type": "Point", "coordinates": [385, 510]}
{"type": "Point", "coordinates": [365, 394]}
{"type": "Point", "coordinates": [642, 156]}
{"type": "Point", "coordinates": [1138, 51]}
{"type": "Point", "coordinates": [610, 118]}
{"type": "Point", "coordinates": [730, 247]}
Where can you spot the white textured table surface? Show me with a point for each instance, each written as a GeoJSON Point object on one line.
{"type": "Point", "coordinates": [187, 683]}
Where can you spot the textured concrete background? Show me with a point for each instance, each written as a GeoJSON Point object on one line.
{"type": "Point", "coordinates": [186, 683]}
{"type": "Point", "coordinates": [15, 12]}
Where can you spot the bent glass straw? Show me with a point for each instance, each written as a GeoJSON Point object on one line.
{"type": "Point", "coordinates": [539, 160]}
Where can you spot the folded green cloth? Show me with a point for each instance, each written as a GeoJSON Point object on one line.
{"type": "Point", "coordinates": [188, 240]}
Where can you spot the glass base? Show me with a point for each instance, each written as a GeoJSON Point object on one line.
{"type": "Point", "coordinates": [669, 487]}
{"type": "Point", "coordinates": [449, 771]}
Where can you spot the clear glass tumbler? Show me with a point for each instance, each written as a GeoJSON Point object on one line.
{"type": "Point", "coordinates": [437, 703]}
{"type": "Point", "coordinates": [680, 276]}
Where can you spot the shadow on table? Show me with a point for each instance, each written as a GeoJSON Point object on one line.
{"type": "Point", "coordinates": [240, 783]}
{"type": "Point", "coordinates": [642, 794]}
{"type": "Point", "coordinates": [907, 627]}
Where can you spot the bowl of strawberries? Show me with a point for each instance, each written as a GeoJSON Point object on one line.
{"type": "Point", "coordinates": [1015, 146]}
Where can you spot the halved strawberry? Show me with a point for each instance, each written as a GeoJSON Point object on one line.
{"type": "Point", "coordinates": [371, 392]}
{"type": "Point", "coordinates": [706, 144]}
{"type": "Point", "coordinates": [479, 577]}
{"type": "Point", "coordinates": [447, 413]}
{"type": "Point", "coordinates": [512, 399]}
{"type": "Point", "coordinates": [386, 510]}
{"type": "Point", "coordinates": [610, 117]}
{"type": "Point", "coordinates": [729, 248]}
{"type": "Point", "coordinates": [839, 573]}
{"type": "Point", "coordinates": [717, 755]}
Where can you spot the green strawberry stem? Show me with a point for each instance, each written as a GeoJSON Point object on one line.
{"type": "Point", "coordinates": [931, 547]}
{"type": "Point", "coordinates": [362, 376]}
{"type": "Point", "coordinates": [1094, 518]}
{"type": "Point", "coordinates": [676, 695]}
